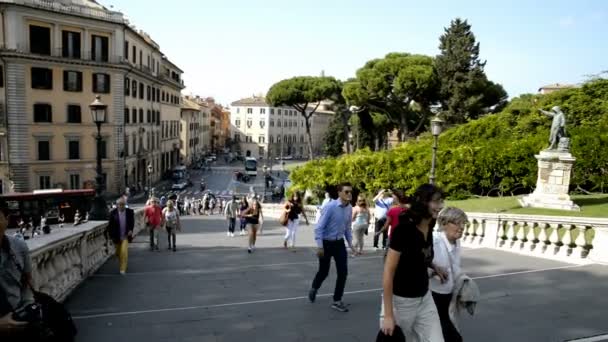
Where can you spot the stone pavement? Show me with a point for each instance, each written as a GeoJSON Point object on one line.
{"type": "Point", "coordinates": [212, 290]}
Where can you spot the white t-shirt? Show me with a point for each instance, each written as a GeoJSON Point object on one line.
{"type": "Point", "coordinates": [171, 218]}
{"type": "Point", "coordinates": [446, 253]}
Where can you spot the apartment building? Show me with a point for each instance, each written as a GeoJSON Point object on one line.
{"type": "Point", "coordinates": [55, 58]}
{"type": "Point", "coordinates": [191, 135]}
{"type": "Point", "coordinates": [263, 131]}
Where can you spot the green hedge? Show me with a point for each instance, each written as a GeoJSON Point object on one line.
{"type": "Point", "coordinates": [493, 155]}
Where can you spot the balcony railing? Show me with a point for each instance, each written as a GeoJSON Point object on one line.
{"type": "Point", "coordinates": [71, 8]}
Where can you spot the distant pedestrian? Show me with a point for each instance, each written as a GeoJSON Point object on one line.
{"type": "Point", "coordinates": [294, 209]}
{"type": "Point", "coordinates": [231, 211]}
{"type": "Point", "coordinates": [383, 202]}
{"type": "Point", "coordinates": [153, 219]}
{"type": "Point", "coordinates": [400, 205]}
{"type": "Point", "coordinates": [120, 230]}
{"type": "Point", "coordinates": [243, 222]}
{"type": "Point", "coordinates": [333, 228]}
{"type": "Point", "coordinates": [172, 224]}
{"type": "Point", "coordinates": [254, 218]}
{"type": "Point", "coordinates": [361, 221]}
{"type": "Point", "coordinates": [407, 300]}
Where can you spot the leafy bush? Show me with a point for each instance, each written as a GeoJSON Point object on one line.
{"type": "Point", "coordinates": [493, 155]}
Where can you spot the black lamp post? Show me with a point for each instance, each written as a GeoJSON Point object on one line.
{"type": "Point", "coordinates": [150, 169]}
{"type": "Point", "coordinates": [99, 210]}
{"type": "Point", "coordinates": [436, 128]}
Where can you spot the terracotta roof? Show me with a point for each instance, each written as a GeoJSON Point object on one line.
{"type": "Point", "coordinates": [189, 104]}
{"type": "Point", "coordinates": [557, 86]}
{"type": "Point", "coordinates": [251, 101]}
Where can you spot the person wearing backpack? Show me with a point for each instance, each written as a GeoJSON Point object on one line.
{"type": "Point", "coordinates": [172, 224]}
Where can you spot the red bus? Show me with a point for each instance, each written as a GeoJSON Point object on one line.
{"type": "Point", "coordinates": [52, 202]}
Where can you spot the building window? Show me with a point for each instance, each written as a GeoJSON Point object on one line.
{"type": "Point", "coordinates": [261, 139]}
{"type": "Point", "coordinates": [70, 44]}
{"type": "Point", "coordinates": [134, 114]}
{"type": "Point", "coordinates": [141, 115]}
{"type": "Point", "coordinates": [248, 139]}
{"type": "Point", "coordinates": [249, 110]}
{"type": "Point", "coordinates": [271, 138]}
{"type": "Point", "coordinates": [262, 123]}
{"type": "Point", "coordinates": [153, 95]}
{"type": "Point", "coordinates": [249, 123]}
{"type": "Point", "coordinates": [134, 89]}
{"type": "Point", "coordinates": [278, 111]}
{"type": "Point", "coordinates": [101, 83]}
{"type": "Point", "coordinates": [148, 118]}
{"type": "Point", "coordinates": [127, 51]}
{"type": "Point", "coordinates": [271, 111]}
{"type": "Point", "coordinates": [134, 54]}
{"type": "Point", "coordinates": [74, 181]}
{"type": "Point", "coordinates": [127, 86]}
{"type": "Point", "coordinates": [99, 48]}
{"type": "Point", "coordinates": [278, 123]}
{"type": "Point", "coordinates": [127, 115]}
{"type": "Point", "coordinates": [74, 114]}
{"type": "Point", "coordinates": [141, 91]}
{"type": "Point", "coordinates": [262, 110]}
{"type": "Point", "coordinates": [72, 80]}
{"type": "Point", "coordinates": [43, 112]}
{"type": "Point", "coordinates": [301, 139]}
{"type": "Point", "coordinates": [271, 123]}
{"type": "Point", "coordinates": [278, 138]}
{"type": "Point", "coordinates": [157, 95]}
{"type": "Point", "coordinates": [162, 95]}
{"type": "Point", "coordinates": [1, 83]}
{"type": "Point", "coordinates": [148, 93]}
{"type": "Point", "coordinates": [44, 150]}
{"type": "Point", "coordinates": [73, 149]}
{"type": "Point", "coordinates": [284, 123]}
{"type": "Point", "coordinates": [237, 123]}
{"type": "Point", "coordinates": [40, 40]}
{"type": "Point", "coordinates": [44, 182]}
{"type": "Point", "coordinates": [237, 137]}
{"type": "Point", "coordinates": [238, 110]}
{"type": "Point", "coordinates": [42, 78]}
{"type": "Point", "coordinates": [141, 57]}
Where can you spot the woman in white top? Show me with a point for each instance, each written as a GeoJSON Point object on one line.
{"type": "Point", "coordinates": [172, 223]}
{"type": "Point", "coordinates": [360, 223]}
{"type": "Point", "coordinates": [446, 244]}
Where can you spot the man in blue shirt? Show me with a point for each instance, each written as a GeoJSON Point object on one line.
{"type": "Point", "coordinates": [333, 227]}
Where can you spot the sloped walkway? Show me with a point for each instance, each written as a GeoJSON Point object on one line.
{"type": "Point", "coordinates": [212, 290]}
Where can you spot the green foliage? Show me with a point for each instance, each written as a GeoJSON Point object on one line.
{"type": "Point", "coordinates": [335, 137]}
{"type": "Point", "coordinates": [465, 90]}
{"type": "Point", "coordinates": [493, 155]}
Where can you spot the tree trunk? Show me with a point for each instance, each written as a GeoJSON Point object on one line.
{"type": "Point", "coordinates": [403, 129]}
{"type": "Point", "coordinates": [346, 132]}
{"type": "Point", "coordinates": [309, 136]}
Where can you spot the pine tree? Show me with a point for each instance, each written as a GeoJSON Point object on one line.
{"type": "Point", "coordinates": [465, 90]}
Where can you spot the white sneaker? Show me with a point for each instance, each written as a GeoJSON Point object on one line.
{"type": "Point", "coordinates": [241, 233]}
{"type": "Point", "coordinates": [228, 234]}
{"type": "Point", "coordinates": [231, 234]}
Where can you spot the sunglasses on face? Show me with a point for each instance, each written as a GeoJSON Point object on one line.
{"type": "Point", "coordinates": [348, 192]}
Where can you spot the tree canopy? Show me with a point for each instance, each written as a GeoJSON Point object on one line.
{"type": "Point", "coordinates": [300, 92]}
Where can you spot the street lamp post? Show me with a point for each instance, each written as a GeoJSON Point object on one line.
{"type": "Point", "coordinates": [436, 127]}
{"type": "Point", "coordinates": [99, 210]}
{"type": "Point", "coordinates": [150, 169]}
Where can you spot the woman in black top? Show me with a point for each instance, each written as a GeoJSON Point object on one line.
{"type": "Point", "coordinates": [254, 218]}
{"type": "Point", "coordinates": [407, 300]}
{"type": "Point", "coordinates": [294, 208]}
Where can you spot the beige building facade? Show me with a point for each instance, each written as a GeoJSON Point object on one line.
{"type": "Point", "coordinates": [191, 135]}
{"type": "Point", "coordinates": [263, 131]}
{"type": "Point", "coordinates": [55, 60]}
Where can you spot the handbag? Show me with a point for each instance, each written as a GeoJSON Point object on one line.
{"type": "Point", "coordinates": [52, 321]}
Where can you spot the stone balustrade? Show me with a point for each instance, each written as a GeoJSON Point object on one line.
{"type": "Point", "coordinates": [570, 239]}
{"type": "Point", "coordinates": [66, 257]}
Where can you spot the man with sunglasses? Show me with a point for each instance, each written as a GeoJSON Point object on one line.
{"type": "Point", "coordinates": [333, 228]}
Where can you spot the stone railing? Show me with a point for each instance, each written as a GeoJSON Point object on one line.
{"type": "Point", "coordinates": [570, 239]}
{"type": "Point", "coordinates": [67, 256]}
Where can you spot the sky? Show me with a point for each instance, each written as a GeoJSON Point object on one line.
{"type": "Point", "coordinates": [231, 49]}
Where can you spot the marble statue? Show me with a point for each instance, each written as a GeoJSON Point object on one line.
{"type": "Point", "coordinates": [558, 126]}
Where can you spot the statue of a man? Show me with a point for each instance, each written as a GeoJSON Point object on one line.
{"type": "Point", "coordinates": [558, 126]}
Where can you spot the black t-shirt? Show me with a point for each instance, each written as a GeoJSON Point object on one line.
{"type": "Point", "coordinates": [295, 211]}
{"type": "Point", "coordinates": [411, 276]}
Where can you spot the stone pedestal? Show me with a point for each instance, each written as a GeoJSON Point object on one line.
{"type": "Point", "coordinates": [552, 185]}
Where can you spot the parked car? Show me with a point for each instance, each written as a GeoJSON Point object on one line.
{"type": "Point", "coordinates": [179, 186]}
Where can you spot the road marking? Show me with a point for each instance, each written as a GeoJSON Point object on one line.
{"type": "Point", "coordinates": [224, 269]}
{"type": "Point", "coordinates": [591, 339]}
{"type": "Point", "coordinates": [275, 300]}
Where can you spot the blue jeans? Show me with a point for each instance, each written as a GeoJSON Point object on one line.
{"type": "Point", "coordinates": [336, 250]}
{"type": "Point", "coordinates": [231, 224]}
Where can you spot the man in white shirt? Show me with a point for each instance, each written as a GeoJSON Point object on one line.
{"type": "Point", "coordinates": [446, 246]}
{"type": "Point", "coordinates": [383, 202]}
